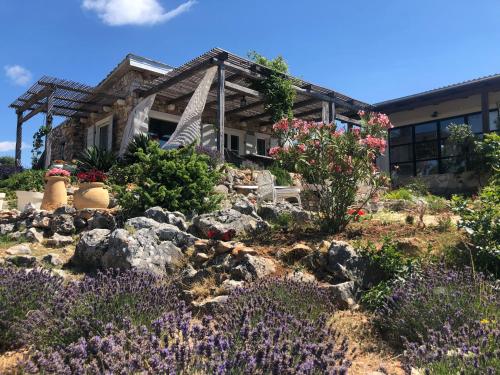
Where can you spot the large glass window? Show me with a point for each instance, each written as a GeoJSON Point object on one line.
{"type": "Point", "coordinates": [235, 143]}
{"type": "Point", "coordinates": [261, 146]}
{"type": "Point", "coordinates": [161, 130]}
{"type": "Point", "coordinates": [423, 149]}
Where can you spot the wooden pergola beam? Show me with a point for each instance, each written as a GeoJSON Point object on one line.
{"type": "Point", "coordinates": [34, 113]}
{"type": "Point", "coordinates": [298, 105]}
{"type": "Point", "coordinates": [36, 98]}
{"type": "Point", "coordinates": [248, 107]}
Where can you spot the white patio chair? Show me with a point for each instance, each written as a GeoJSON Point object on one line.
{"type": "Point", "coordinates": [267, 190]}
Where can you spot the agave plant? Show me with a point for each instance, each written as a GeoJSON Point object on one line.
{"type": "Point", "coordinates": [95, 158]}
{"type": "Point", "coordinates": [140, 141]}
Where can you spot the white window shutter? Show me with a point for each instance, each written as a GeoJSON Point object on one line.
{"type": "Point", "coordinates": [250, 145]}
{"type": "Point", "coordinates": [90, 136]}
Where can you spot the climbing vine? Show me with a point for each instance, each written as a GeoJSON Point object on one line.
{"type": "Point", "coordinates": [276, 87]}
{"type": "Point", "coordinates": [38, 143]}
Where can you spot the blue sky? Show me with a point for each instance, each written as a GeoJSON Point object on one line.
{"type": "Point", "coordinates": [372, 50]}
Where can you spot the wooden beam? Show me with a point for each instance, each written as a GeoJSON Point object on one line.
{"type": "Point", "coordinates": [331, 111]}
{"type": "Point", "coordinates": [297, 105]}
{"type": "Point", "coordinates": [243, 90]}
{"type": "Point", "coordinates": [19, 138]}
{"type": "Point", "coordinates": [221, 78]}
{"type": "Point", "coordinates": [34, 112]}
{"type": "Point", "coordinates": [248, 107]}
{"type": "Point", "coordinates": [485, 111]}
{"type": "Point", "coordinates": [35, 98]}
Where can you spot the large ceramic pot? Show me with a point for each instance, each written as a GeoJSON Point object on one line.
{"type": "Point", "coordinates": [55, 194]}
{"type": "Point", "coordinates": [91, 195]}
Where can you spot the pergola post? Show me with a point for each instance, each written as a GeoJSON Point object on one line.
{"type": "Point", "coordinates": [19, 138]}
{"type": "Point", "coordinates": [221, 81]}
{"type": "Point", "coordinates": [485, 111]}
{"type": "Point", "coordinates": [48, 125]}
{"type": "Point", "coordinates": [331, 111]}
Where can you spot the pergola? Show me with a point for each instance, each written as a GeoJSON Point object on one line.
{"type": "Point", "coordinates": [57, 97]}
{"type": "Point", "coordinates": [234, 99]}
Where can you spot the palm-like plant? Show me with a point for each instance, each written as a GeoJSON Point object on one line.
{"type": "Point", "coordinates": [97, 159]}
{"type": "Point", "coordinates": [139, 142]}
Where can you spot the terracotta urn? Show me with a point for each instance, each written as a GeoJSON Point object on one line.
{"type": "Point", "coordinates": [55, 194]}
{"type": "Point", "coordinates": [91, 195]}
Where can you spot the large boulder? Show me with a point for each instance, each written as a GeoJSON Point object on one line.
{"type": "Point", "coordinates": [272, 212]}
{"type": "Point", "coordinates": [90, 249]}
{"type": "Point", "coordinates": [62, 224]}
{"type": "Point", "coordinates": [228, 220]}
{"type": "Point", "coordinates": [343, 294]}
{"type": "Point", "coordinates": [163, 216]}
{"type": "Point", "coordinates": [102, 220]}
{"type": "Point", "coordinates": [253, 267]}
{"type": "Point", "coordinates": [245, 206]}
{"type": "Point", "coordinates": [141, 250]}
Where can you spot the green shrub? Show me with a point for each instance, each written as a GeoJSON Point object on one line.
{"type": "Point", "coordinates": [436, 204]}
{"type": "Point", "coordinates": [28, 180]}
{"type": "Point", "coordinates": [95, 158]}
{"type": "Point", "coordinates": [283, 177]}
{"type": "Point", "coordinates": [7, 160]}
{"type": "Point", "coordinates": [178, 180]}
{"type": "Point", "coordinates": [417, 186]}
{"type": "Point", "coordinates": [400, 194]}
{"type": "Point", "coordinates": [480, 218]}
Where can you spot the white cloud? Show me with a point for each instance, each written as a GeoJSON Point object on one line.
{"type": "Point", "coordinates": [17, 74]}
{"type": "Point", "coordinates": [134, 12]}
{"type": "Point", "coordinates": [6, 146]}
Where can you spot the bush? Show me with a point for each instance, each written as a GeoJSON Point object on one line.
{"type": "Point", "coordinates": [335, 162]}
{"type": "Point", "coordinates": [178, 180]}
{"type": "Point", "coordinates": [431, 299]}
{"type": "Point", "coordinates": [22, 292]}
{"type": "Point", "coordinates": [95, 158]}
{"type": "Point", "coordinates": [7, 161]}
{"type": "Point", "coordinates": [436, 204]}
{"type": "Point", "coordinates": [260, 330]}
{"type": "Point", "coordinates": [471, 349]}
{"type": "Point", "coordinates": [481, 220]}
{"type": "Point", "coordinates": [400, 194]}
{"type": "Point", "coordinates": [139, 142]}
{"type": "Point", "coordinates": [28, 180]}
{"type": "Point", "coordinates": [8, 170]}
{"type": "Point", "coordinates": [84, 307]}
{"type": "Point", "coordinates": [282, 176]}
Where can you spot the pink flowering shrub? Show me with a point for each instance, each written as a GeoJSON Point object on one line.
{"type": "Point", "coordinates": [335, 162]}
{"type": "Point", "coordinates": [58, 172]}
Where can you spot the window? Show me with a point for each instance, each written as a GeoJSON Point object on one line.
{"type": "Point", "coordinates": [261, 146]}
{"type": "Point", "coordinates": [225, 140]}
{"type": "Point", "coordinates": [423, 149]}
{"type": "Point", "coordinates": [235, 143]}
{"type": "Point", "coordinates": [103, 137]}
{"type": "Point", "coordinates": [100, 134]}
{"type": "Point", "coordinates": [161, 130]}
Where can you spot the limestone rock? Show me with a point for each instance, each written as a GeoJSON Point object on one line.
{"type": "Point", "coordinates": [245, 206]}
{"type": "Point", "coordinates": [64, 210]}
{"type": "Point", "coordinates": [33, 235]}
{"type": "Point", "coordinates": [240, 251]}
{"type": "Point", "coordinates": [301, 276]}
{"type": "Point", "coordinates": [141, 250]}
{"type": "Point", "coordinates": [227, 220]}
{"type": "Point", "coordinates": [41, 221]}
{"type": "Point", "coordinates": [272, 211]}
{"type": "Point", "coordinates": [21, 249]}
{"type": "Point", "coordinates": [58, 240]}
{"type": "Point", "coordinates": [222, 247]}
{"type": "Point", "coordinates": [201, 245]}
{"type": "Point", "coordinates": [259, 266]}
{"type": "Point", "coordinates": [210, 304]}
{"type": "Point", "coordinates": [102, 220]}
{"type": "Point", "coordinates": [141, 222]}
{"type": "Point", "coordinates": [297, 252]}
{"type": "Point", "coordinates": [62, 224]}
{"type": "Point", "coordinates": [17, 236]}
{"type": "Point", "coordinates": [343, 294]}
{"type": "Point", "coordinates": [229, 285]}
{"type": "Point", "coordinates": [170, 232]}
{"type": "Point", "coordinates": [201, 257]}
{"type": "Point", "coordinates": [6, 228]}
{"type": "Point", "coordinates": [52, 259]}
{"type": "Point", "coordinates": [90, 249]}
{"type": "Point", "coordinates": [164, 216]}
{"type": "Point", "coordinates": [27, 261]}
{"type": "Point", "coordinates": [324, 246]}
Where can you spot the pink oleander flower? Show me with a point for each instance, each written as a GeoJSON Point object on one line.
{"type": "Point", "coordinates": [356, 132]}
{"type": "Point", "coordinates": [338, 133]}
{"type": "Point", "coordinates": [282, 125]}
{"type": "Point", "coordinates": [58, 172]}
{"type": "Point", "coordinates": [373, 142]}
{"type": "Point", "coordinates": [274, 150]}
{"type": "Point", "coordinates": [301, 148]}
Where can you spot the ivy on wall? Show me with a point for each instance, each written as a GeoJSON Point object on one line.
{"type": "Point", "coordinates": [276, 87]}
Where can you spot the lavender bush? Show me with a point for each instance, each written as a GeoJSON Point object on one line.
{"type": "Point", "coordinates": [257, 332]}
{"type": "Point", "coordinates": [436, 297]}
{"type": "Point", "coordinates": [84, 307]}
{"type": "Point", "coordinates": [20, 293]}
{"type": "Point", "coordinates": [473, 350]}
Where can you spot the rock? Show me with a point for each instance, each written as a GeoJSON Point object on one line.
{"type": "Point", "coordinates": [163, 216]}
{"type": "Point", "coordinates": [239, 251]}
{"type": "Point", "coordinates": [230, 285]}
{"type": "Point", "coordinates": [244, 206]}
{"type": "Point", "coordinates": [6, 228]}
{"type": "Point", "coordinates": [343, 294]}
{"type": "Point", "coordinates": [17, 236]}
{"type": "Point", "coordinates": [28, 211]}
{"type": "Point", "coordinates": [222, 247]}
{"type": "Point", "coordinates": [21, 249]}
{"type": "Point", "coordinates": [41, 221]}
{"type": "Point", "coordinates": [58, 240]}
{"type": "Point", "coordinates": [102, 220]}
{"type": "Point", "coordinates": [258, 266]}
{"type": "Point", "coordinates": [201, 257]}
{"type": "Point", "coordinates": [62, 224]}
{"type": "Point", "coordinates": [33, 235]}
{"type": "Point", "coordinates": [64, 210]}
{"type": "Point", "coordinates": [221, 189]}
{"type": "Point", "coordinates": [272, 212]}
{"type": "Point", "coordinates": [201, 245]}
{"type": "Point", "coordinates": [52, 259]}
{"type": "Point", "coordinates": [225, 221]}
{"type": "Point", "coordinates": [210, 304]}
{"type": "Point", "coordinates": [169, 232]}
{"type": "Point", "coordinates": [324, 246]}
{"type": "Point", "coordinates": [86, 213]}
{"type": "Point", "coordinates": [90, 248]}
{"type": "Point", "coordinates": [301, 276]}
{"type": "Point", "coordinates": [297, 252]}
{"type": "Point", "coordinates": [141, 222]}
{"type": "Point", "coordinates": [188, 273]}
{"type": "Point", "coordinates": [27, 261]}
{"type": "Point", "coordinates": [80, 223]}
{"type": "Point", "coordinates": [142, 250]}
{"type": "Point", "coordinates": [345, 264]}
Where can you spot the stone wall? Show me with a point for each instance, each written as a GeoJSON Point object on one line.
{"type": "Point", "coordinates": [67, 140]}
{"type": "Point", "coordinates": [446, 184]}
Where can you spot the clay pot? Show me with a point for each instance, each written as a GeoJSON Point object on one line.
{"type": "Point", "coordinates": [91, 195]}
{"type": "Point", "coordinates": [55, 194]}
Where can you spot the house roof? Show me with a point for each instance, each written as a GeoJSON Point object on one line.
{"type": "Point", "coordinates": [441, 94]}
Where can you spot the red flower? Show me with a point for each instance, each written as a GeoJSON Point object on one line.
{"type": "Point", "coordinates": [211, 234]}
{"type": "Point", "coordinates": [92, 176]}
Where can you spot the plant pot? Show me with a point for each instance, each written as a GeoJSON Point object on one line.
{"type": "Point", "coordinates": [91, 195]}
{"type": "Point", "coordinates": [55, 194]}
{"type": "Point", "coordinates": [26, 197]}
